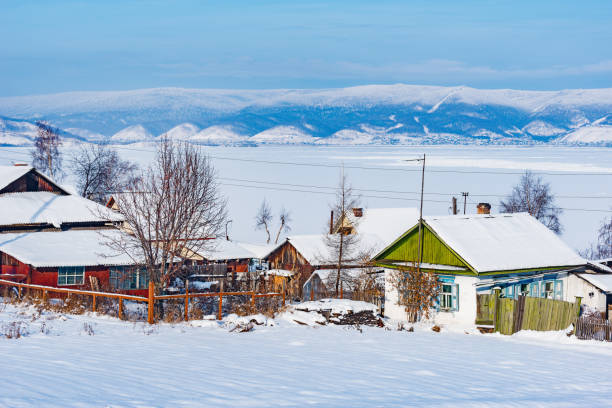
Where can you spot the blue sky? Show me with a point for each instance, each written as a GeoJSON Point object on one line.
{"type": "Point", "coordinates": [60, 46]}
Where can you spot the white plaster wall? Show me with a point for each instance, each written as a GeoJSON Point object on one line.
{"type": "Point", "coordinates": [392, 310]}
{"type": "Point", "coordinates": [575, 286]}
{"type": "Point", "coordinates": [466, 315]}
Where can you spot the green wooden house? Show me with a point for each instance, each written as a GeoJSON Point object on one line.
{"type": "Point", "coordinates": [473, 254]}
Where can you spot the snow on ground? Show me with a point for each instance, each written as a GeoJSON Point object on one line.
{"type": "Point", "coordinates": [70, 361]}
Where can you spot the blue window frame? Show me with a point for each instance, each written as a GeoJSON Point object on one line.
{"type": "Point", "coordinates": [124, 278]}
{"type": "Point", "coordinates": [70, 275]}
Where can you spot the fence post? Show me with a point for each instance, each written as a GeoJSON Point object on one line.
{"type": "Point", "coordinates": [93, 306]}
{"type": "Point", "coordinates": [120, 308]}
{"type": "Point", "coordinates": [219, 315]}
{"type": "Point", "coordinates": [341, 291]}
{"type": "Point", "coordinates": [44, 296]}
{"type": "Point", "coordinates": [253, 299]}
{"type": "Point", "coordinates": [150, 317]}
{"type": "Point", "coordinates": [497, 315]}
{"type": "Point", "coordinates": [578, 301]}
{"type": "Point", "coordinates": [186, 299]}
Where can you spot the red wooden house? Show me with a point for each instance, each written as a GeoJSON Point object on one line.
{"type": "Point", "coordinates": [53, 238]}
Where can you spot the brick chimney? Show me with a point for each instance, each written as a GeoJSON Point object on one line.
{"type": "Point", "coordinates": [358, 212]}
{"type": "Point", "coordinates": [484, 208]}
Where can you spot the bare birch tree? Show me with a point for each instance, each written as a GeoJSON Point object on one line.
{"type": "Point", "coordinates": [100, 172]}
{"type": "Point", "coordinates": [46, 155]}
{"type": "Point", "coordinates": [533, 195]}
{"type": "Point", "coordinates": [173, 210]}
{"type": "Point", "coordinates": [264, 218]}
{"type": "Point", "coordinates": [343, 247]}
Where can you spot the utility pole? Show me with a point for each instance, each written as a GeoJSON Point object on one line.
{"type": "Point", "coordinates": [454, 205]}
{"type": "Point", "coordinates": [465, 195]}
{"type": "Point", "coordinates": [420, 257]}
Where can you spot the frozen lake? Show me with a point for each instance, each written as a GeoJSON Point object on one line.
{"type": "Point", "coordinates": [581, 178]}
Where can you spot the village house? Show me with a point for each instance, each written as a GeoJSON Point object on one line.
{"type": "Point", "coordinates": [476, 254]}
{"type": "Point", "coordinates": [309, 257]}
{"type": "Point", "coordinates": [53, 238]}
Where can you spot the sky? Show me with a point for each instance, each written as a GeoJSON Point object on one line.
{"type": "Point", "coordinates": [49, 47]}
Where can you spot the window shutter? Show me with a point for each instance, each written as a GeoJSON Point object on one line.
{"type": "Point", "coordinates": [533, 289]}
{"type": "Point", "coordinates": [559, 289]}
{"type": "Point", "coordinates": [455, 297]}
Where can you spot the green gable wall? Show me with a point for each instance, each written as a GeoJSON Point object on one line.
{"type": "Point", "coordinates": [435, 251]}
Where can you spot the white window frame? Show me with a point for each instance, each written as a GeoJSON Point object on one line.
{"type": "Point", "coordinates": [70, 275]}
{"type": "Point", "coordinates": [446, 297]}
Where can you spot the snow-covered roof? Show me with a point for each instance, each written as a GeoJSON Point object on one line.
{"type": "Point", "coordinates": [40, 207]}
{"type": "Point", "coordinates": [315, 250]}
{"type": "Point", "coordinates": [599, 280]}
{"type": "Point", "coordinates": [311, 247]}
{"type": "Point", "coordinates": [503, 242]}
{"type": "Point", "coordinates": [386, 223]}
{"type": "Point", "coordinates": [8, 174]}
{"type": "Point", "coordinates": [260, 251]}
{"type": "Point", "coordinates": [64, 248]}
{"type": "Point", "coordinates": [222, 249]}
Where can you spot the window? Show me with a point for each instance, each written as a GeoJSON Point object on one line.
{"type": "Point", "coordinates": [70, 275]}
{"type": "Point", "coordinates": [524, 289]}
{"type": "Point", "coordinates": [548, 290]}
{"type": "Point", "coordinates": [123, 278]}
{"type": "Point", "coordinates": [448, 300]}
{"type": "Point", "coordinates": [509, 292]}
{"type": "Point", "coordinates": [446, 297]}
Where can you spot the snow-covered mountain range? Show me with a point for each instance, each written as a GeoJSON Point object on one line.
{"type": "Point", "coordinates": [374, 114]}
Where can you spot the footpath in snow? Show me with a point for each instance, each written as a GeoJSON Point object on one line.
{"type": "Point", "coordinates": [88, 360]}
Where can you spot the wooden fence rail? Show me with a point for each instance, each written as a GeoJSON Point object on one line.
{"type": "Point", "coordinates": [150, 299]}
{"type": "Point", "coordinates": [509, 316]}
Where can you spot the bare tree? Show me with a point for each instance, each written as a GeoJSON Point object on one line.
{"type": "Point", "coordinates": [100, 171]}
{"type": "Point", "coordinates": [173, 210]}
{"type": "Point", "coordinates": [263, 219]}
{"type": "Point", "coordinates": [602, 249]}
{"type": "Point", "coordinates": [284, 219]}
{"type": "Point", "coordinates": [532, 195]}
{"type": "Point", "coordinates": [343, 246]}
{"type": "Point", "coordinates": [417, 291]}
{"type": "Point", "coordinates": [46, 155]}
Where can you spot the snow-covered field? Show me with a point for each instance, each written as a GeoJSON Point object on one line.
{"type": "Point", "coordinates": [488, 173]}
{"type": "Point", "coordinates": [95, 361]}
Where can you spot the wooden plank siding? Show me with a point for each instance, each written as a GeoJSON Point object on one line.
{"type": "Point", "coordinates": [32, 181]}
{"type": "Point", "coordinates": [435, 251]}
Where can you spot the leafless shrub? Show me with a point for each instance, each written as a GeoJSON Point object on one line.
{"type": "Point", "coordinates": [417, 291]}
{"type": "Point", "coordinates": [533, 195]}
{"type": "Point", "coordinates": [14, 330]}
{"type": "Point", "coordinates": [88, 329]}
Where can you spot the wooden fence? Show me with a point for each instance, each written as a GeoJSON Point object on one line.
{"type": "Point", "coordinates": [591, 328]}
{"type": "Point", "coordinates": [509, 316]}
{"type": "Point", "coordinates": [150, 299]}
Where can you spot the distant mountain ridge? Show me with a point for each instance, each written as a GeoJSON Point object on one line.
{"type": "Point", "coordinates": [373, 114]}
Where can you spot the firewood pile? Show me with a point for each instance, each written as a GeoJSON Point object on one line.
{"type": "Point", "coordinates": [365, 317]}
